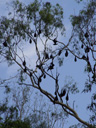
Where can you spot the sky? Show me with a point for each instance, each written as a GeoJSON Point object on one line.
{"type": "Point", "coordinates": [76, 70]}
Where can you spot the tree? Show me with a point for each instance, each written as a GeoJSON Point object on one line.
{"type": "Point", "coordinates": [9, 117]}
{"type": "Point", "coordinates": [84, 45]}
{"type": "Point", "coordinates": [19, 112]}
{"type": "Point", "coordinates": [40, 25]}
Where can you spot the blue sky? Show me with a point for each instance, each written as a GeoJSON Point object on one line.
{"type": "Point", "coordinates": [76, 70]}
